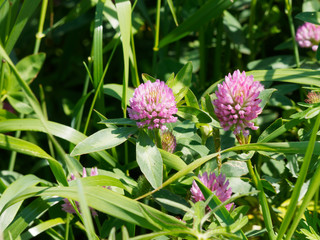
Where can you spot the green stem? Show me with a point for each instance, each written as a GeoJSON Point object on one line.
{"type": "Point", "coordinates": [66, 236]}
{"type": "Point", "coordinates": [217, 146]}
{"type": "Point", "coordinates": [40, 34]}
{"type": "Point", "coordinates": [292, 31]}
{"type": "Point", "coordinates": [314, 186]}
{"type": "Point", "coordinates": [156, 38]}
{"type": "Point", "coordinates": [315, 209]}
{"type": "Point", "coordinates": [263, 201]}
{"type": "Point", "coordinates": [97, 90]}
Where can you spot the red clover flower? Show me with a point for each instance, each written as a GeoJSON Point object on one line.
{"type": "Point", "coordinates": [308, 36]}
{"type": "Point", "coordinates": [67, 207]}
{"type": "Point", "coordinates": [153, 105]}
{"type": "Point", "coordinates": [313, 97]}
{"type": "Point", "coordinates": [218, 185]}
{"type": "Point", "coordinates": [168, 141]}
{"type": "Point", "coordinates": [237, 103]}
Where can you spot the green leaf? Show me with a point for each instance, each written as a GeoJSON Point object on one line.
{"type": "Point", "coordinates": [103, 139]}
{"type": "Point", "coordinates": [27, 10]}
{"type": "Point", "coordinates": [171, 160]}
{"type": "Point", "coordinates": [147, 77]}
{"type": "Point", "coordinates": [115, 90]}
{"type": "Point", "coordinates": [55, 129]}
{"type": "Point", "coordinates": [30, 66]}
{"type": "Point", "coordinates": [120, 121]}
{"type": "Point", "coordinates": [109, 202]}
{"type": "Point", "coordinates": [265, 96]}
{"type": "Point", "coordinates": [194, 114]}
{"type": "Point", "coordinates": [312, 17]}
{"type": "Point", "coordinates": [181, 83]}
{"type": "Point", "coordinates": [15, 144]}
{"type": "Point", "coordinates": [173, 12]}
{"type": "Point", "coordinates": [211, 9]}
{"type": "Point", "coordinates": [149, 159]}
{"type": "Point", "coordinates": [276, 129]}
{"type": "Point", "coordinates": [191, 99]}
{"type": "Point", "coordinates": [300, 76]}
{"type": "Point", "coordinates": [28, 214]}
{"type": "Point", "coordinates": [234, 168]}
{"type": "Point", "coordinates": [124, 16]}
{"type": "Point", "coordinates": [18, 102]}
{"type": "Point", "coordinates": [97, 46]}
{"type": "Point", "coordinates": [42, 227]}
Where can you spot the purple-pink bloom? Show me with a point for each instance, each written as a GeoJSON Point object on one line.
{"type": "Point", "coordinates": [308, 36]}
{"type": "Point", "coordinates": [153, 105]}
{"type": "Point", "coordinates": [67, 207]}
{"type": "Point", "coordinates": [218, 186]}
{"type": "Point", "coordinates": [313, 97]}
{"type": "Point", "coordinates": [237, 102]}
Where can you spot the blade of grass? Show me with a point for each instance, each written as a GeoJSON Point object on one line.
{"type": "Point", "coordinates": [124, 16]}
{"type": "Point", "coordinates": [302, 176]}
{"type": "Point", "coordinates": [28, 214]}
{"type": "Point", "coordinates": [85, 212]}
{"type": "Point", "coordinates": [56, 129]}
{"type": "Point", "coordinates": [27, 9]}
{"type": "Point", "coordinates": [211, 9]}
{"type": "Point", "coordinates": [173, 11]}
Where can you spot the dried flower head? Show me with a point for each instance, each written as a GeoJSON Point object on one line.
{"type": "Point", "coordinates": [237, 102]}
{"type": "Point", "coordinates": [168, 141]}
{"type": "Point", "coordinates": [308, 36]}
{"type": "Point", "coordinates": [153, 105]}
{"type": "Point", "coordinates": [313, 97]}
{"type": "Point", "coordinates": [218, 185]}
{"type": "Point", "coordinates": [67, 207]}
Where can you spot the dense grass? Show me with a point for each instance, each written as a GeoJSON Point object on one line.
{"type": "Point", "coordinates": [67, 73]}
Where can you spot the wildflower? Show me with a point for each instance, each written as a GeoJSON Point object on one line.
{"type": "Point", "coordinates": [153, 105]}
{"type": "Point", "coordinates": [237, 103]}
{"type": "Point", "coordinates": [168, 141]}
{"type": "Point", "coordinates": [217, 185]}
{"type": "Point", "coordinates": [67, 207]}
{"type": "Point", "coordinates": [313, 97]}
{"type": "Point", "coordinates": [308, 36]}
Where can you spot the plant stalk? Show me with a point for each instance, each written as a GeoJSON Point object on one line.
{"type": "Point", "coordinates": [40, 33]}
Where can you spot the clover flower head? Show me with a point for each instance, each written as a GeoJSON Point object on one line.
{"type": "Point", "coordinates": [308, 36]}
{"type": "Point", "coordinates": [153, 105]}
{"type": "Point", "coordinates": [313, 97]}
{"type": "Point", "coordinates": [168, 141]}
{"type": "Point", "coordinates": [237, 102]}
{"type": "Point", "coordinates": [218, 185]}
{"type": "Point", "coordinates": [67, 207]}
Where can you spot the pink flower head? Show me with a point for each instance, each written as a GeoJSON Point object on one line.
{"type": "Point", "coordinates": [313, 97]}
{"type": "Point", "coordinates": [237, 102]}
{"type": "Point", "coordinates": [153, 105]}
{"type": "Point", "coordinates": [168, 141]}
{"type": "Point", "coordinates": [308, 36]}
{"type": "Point", "coordinates": [67, 207]}
{"type": "Point", "coordinates": [218, 185]}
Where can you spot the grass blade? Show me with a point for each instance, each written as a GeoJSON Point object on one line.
{"type": "Point", "coordinates": [27, 9]}
{"type": "Point", "coordinates": [124, 16]}
{"type": "Point", "coordinates": [211, 9]}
